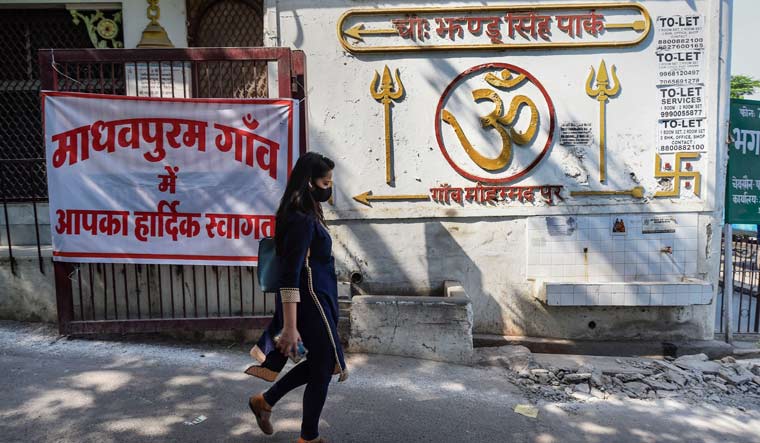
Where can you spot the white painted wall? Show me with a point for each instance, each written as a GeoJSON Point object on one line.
{"type": "Point", "coordinates": [353, 127]}
{"type": "Point", "coordinates": [413, 247]}
{"type": "Point", "coordinates": [173, 19]}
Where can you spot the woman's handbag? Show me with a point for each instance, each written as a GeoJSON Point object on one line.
{"type": "Point", "coordinates": [269, 265]}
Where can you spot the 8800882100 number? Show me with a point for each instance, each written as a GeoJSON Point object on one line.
{"type": "Point", "coordinates": [680, 148]}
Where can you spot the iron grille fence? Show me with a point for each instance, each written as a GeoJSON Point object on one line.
{"type": "Point", "coordinates": [746, 278]}
{"type": "Point", "coordinates": [142, 298]}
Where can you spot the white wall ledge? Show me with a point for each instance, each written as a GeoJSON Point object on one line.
{"type": "Point", "coordinates": [690, 292]}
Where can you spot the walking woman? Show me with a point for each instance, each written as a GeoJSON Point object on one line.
{"type": "Point", "coordinates": [307, 303]}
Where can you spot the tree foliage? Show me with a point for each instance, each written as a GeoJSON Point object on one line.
{"type": "Point", "coordinates": [742, 85]}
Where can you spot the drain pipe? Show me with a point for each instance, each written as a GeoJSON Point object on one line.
{"type": "Point", "coordinates": [728, 282]}
{"type": "Point", "coordinates": [723, 150]}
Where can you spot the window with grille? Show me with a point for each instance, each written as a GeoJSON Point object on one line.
{"type": "Point", "coordinates": [22, 152]}
{"type": "Point", "coordinates": [229, 23]}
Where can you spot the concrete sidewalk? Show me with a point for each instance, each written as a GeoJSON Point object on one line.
{"type": "Point", "coordinates": [120, 391]}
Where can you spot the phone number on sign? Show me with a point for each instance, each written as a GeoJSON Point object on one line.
{"type": "Point", "coordinates": [673, 41]}
{"type": "Point", "coordinates": [677, 73]}
{"type": "Point", "coordinates": [683, 43]}
{"type": "Point", "coordinates": [681, 113]}
{"type": "Point", "coordinates": [680, 81]}
{"type": "Point", "coordinates": [676, 148]}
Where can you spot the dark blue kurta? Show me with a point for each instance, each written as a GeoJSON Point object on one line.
{"type": "Point", "coordinates": [307, 264]}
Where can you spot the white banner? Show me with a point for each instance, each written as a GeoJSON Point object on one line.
{"type": "Point", "coordinates": [156, 180]}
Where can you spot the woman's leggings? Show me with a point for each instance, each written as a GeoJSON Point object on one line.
{"type": "Point", "coordinates": [315, 372]}
{"type": "Point", "coordinates": [316, 380]}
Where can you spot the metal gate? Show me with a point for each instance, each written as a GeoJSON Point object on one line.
{"type": "Point", "coordinates": [746, 278]}
{"type": "Point", "coordinates": [97, 297]}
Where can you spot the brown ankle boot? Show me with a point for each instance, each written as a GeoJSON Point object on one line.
{"type": "Point", "coordinates": [263, 412]}
{"type": "Point", "coordinates": [316, 440]}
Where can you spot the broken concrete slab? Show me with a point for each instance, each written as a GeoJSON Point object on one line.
{"type": "Point", "coordinates": [676, 377]}
{"type": "Point", "coordinates": [636, 388]}
{"type": "Point", "coordinates": [596, 378]}
{"type": "Point", "coordinates": [691, 357]}
{"type": "Point", "coordinates": [735, 376]}
{"type": "Point", "coordinates": [604, 364]}
{"type": "Point", "coordinates": [628, 377]}
{"type": "Point", "coordinates": [714, 349]}
{"type": "Point", "coordinates": [577, 377]}
{"type": "Point", "coordinates": [515, 358]}
{"type": "Point", "coordinates": [542, 376]}
{"type": "Point", "coordinates": [566, 377]}
{"type": "Point", "coordinates": [660, 385]}
{"type": "Point", "coordinates": [670, 367]}
{"type": "Point", "coordinates": [705, 367]}
{"type": "Point", "coordinates": [720, 386]}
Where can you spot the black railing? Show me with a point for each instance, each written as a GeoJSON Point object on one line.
{"type": "Point", "coordinates": [746, 278]}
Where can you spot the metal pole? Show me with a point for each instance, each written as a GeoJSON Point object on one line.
{"type": "Point", "coordinates": [7, 226]}
{"type": "Point", "coordinates": [728, 286]}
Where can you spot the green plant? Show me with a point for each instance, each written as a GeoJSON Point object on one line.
{"type": "Point", "coordinates": [742, 85]}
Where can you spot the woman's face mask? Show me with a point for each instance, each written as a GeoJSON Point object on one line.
{"type": "Point", "coordinates": [320, 194]}
{"type": "Point", "coordinates": [321, 188]}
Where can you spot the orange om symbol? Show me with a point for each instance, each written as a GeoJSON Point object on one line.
{"type": "Point", "coordinates": [503, 124]}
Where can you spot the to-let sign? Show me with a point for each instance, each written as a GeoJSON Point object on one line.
{"type": "Point", "coordinates": [680, 56]}
{"type": "Point", "coordinates": [680, 50]}
{"type": "Point", "coordinates": [682, 102]}
{"type": "Point", "coordinates": [686, 135]}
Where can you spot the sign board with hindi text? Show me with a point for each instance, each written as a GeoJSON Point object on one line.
{"type": "Point", "coordinates": [164, 79]}
{"type": "Point", "coordinates": [157, 180]}
{"type": "Point", "coordinates": [743, 178]}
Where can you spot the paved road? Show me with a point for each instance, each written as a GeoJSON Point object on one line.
{"type": "Point", "coordinates": [122, 391]}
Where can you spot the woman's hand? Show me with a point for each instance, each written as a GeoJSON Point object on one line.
{"type": "Point", "coordinates": [288, 342]}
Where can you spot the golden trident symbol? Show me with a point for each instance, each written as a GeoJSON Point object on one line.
{"type": "Point", "coordinates": [387, 94]}
{"type": "Point", "coordinates": [602, 92]}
